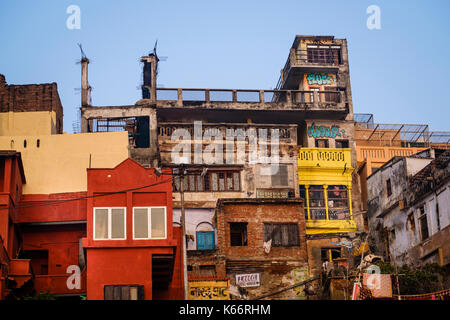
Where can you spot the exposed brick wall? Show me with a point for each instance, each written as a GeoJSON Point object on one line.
{"type": "Point", "coordinates": [255, 214]}
{"type": "Point", "coordinates": [31, 97]}
{"type": "Point", "coordinates": [277, 268]}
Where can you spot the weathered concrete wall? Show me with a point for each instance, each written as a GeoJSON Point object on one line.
{"type": "Point", "coordinates": [253, 180]}
{"type": "Point", "coordinates": [196, 220]}
{"type": "Point", "coordinates": [145, 156]}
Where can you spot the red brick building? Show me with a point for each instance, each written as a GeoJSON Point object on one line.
{"type": "Point", "coordinates": [262, 245]}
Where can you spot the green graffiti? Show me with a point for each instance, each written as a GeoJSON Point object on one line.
{"type": "Point", "coordinates": [324, 132]}
{"type": "Point", "coordinates": [320, 79]}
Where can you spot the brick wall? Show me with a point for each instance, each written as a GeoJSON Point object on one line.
{"type": "Point", "coordinates": [31, 97]}
{"type": "Point", "coordinates": [277, 269]}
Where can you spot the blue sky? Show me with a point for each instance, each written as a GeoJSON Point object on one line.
{"type": "Point", "coordinates": [399, 73]}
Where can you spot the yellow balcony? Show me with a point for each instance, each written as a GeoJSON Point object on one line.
{"type": "Point", "coordinates": [325, 166]}
{"type": "Point", "coordinates": [324, 157]}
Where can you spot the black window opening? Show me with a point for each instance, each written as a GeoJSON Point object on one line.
{"type": "Point", "coordinates": [329, 254]}
{"type": "Point", "coordinates": [124, 292]}
{"type": "Point", "coordinates": [423, 224]}
{"type": "Point", "coordinates": [238, 234]}
{"type": "Point", "coordinates": [282, 234]}
{"type": "Point", "coordinates": [341, 144]}
{"type": "Point", "coordinates": [322, 143]}
{"type": "Point", "coordinates": [388, 187]}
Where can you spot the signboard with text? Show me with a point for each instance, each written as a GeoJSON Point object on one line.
{"type": "Point", "coordinates": [248, 280]}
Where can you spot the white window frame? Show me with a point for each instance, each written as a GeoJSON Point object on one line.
{"type": "Point", "coordinates": [149, 221]}
{"type": "Point", "coordinates": [110, 224]}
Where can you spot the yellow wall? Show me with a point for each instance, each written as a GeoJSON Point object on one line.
{"type": "Point", "coordinates": [27, 123]}
{"type": "Point", "coordinates": [59, 163]}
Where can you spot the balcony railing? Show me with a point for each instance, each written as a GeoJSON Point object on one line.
{"type": "Point", "coordinates": [383, 154]}
{"type": "Point", "coordinates": [295, 98]}
{"type": "Point", "coordinates": [324, 157]}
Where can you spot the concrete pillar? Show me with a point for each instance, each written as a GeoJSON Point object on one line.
{"type": "Point", "coordinates": [85, 88]}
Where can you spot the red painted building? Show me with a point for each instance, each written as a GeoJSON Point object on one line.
{"type": "Point", "coordinates": [118, 234]}
{"type": "Point", "coordinates": [132, 249]}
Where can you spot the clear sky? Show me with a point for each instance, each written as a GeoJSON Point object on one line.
{"type": "Point", "coordinates": [399, 73]}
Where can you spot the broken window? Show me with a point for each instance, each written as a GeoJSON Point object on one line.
{"type": "Point", "coordinates": [128, 292]}
{"type": "Point", "coordinates": [388, 187]}
{"type": "Point", "coordinates": [149, 223]}
{"type": "Point", "coordinates": [317, 202]}
{"type": "Point", "coordinates": [423, 224]}
{"type": "Point", "coordinates": [109, 223]}
{"type": "Point", "coordinates": [337, 197]}
{"type": "Point", "coordinates": [238, 233]}
{"type": "Point", "coordinates": [282, 234]}
{"type": "Point", "coordinates": [322, 143]}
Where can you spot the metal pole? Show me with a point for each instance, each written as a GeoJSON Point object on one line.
{"type": "Point", "coordinates": [183, 226]}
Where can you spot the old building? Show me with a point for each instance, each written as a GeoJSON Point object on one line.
{"type": "Point", "coordinates": [228, 140]}
{"type": "Point", "coordinates": [45, 213]}
{"type": "Point", "coordinates": [262, 245]}
{"type": "Point", "coordinates": [408, 208]}
{"type": "Point", "coordinates": [377, 143]}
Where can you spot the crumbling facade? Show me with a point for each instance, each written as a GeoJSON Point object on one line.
{"type": "Point", "coordinates": [408, 208]}
{"type": "Point", "coordinates": [223, 142]}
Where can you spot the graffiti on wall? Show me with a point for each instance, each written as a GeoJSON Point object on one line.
{"type": "Point", "coordinates": [324, 131]}
{"type": "Point", "coordinates": [208, 290]}
{"type": "Point", "coordinates": [321, 78]}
